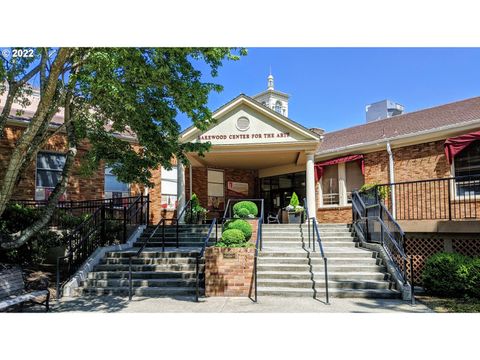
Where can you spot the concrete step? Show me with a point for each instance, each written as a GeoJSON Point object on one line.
{"type": "Point", "coordinates": [163, 268]}
{"type": "Point", "coordinates": [140, 291]}
{"type": "Point", "coordinates": [183, 243]}
{"type": "Point", "coordinates": [152, 254]}
{"type": "Point", "coordinates": [318, 260]}
{"type": "Point", "coordinates": [168, 282]}
{"type": "Point", "coordinates": [149, 261]}
{"type": "Point", "coordinates": [320, 285]}
{"type": "Point", "coordinates": [335, 293]}
{"type": "Point", "coordinates": [298, 244]}
{"type": "Point", "coordinates": [318, 267]}
{"type": "Point", "coordinates": [103, 275]}
{"type": "Point", "coordinates": [331, 254]}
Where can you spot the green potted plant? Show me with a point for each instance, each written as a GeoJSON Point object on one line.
{"type": "Point", "coordinates": [294, 210]}
{"type": "Point", "coordinates": [196, 214]}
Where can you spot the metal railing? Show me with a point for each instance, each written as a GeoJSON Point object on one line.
{"type": "Point", "coordinates": [454, 198]}
{"type": "Point", "coordinates": [161, 223]}
{"type": "Point", "coordinates": [315, 233]}
{"type": "Point", "coordinates": [96, 231]}
{"type": "Point", "coordinates": [373, 223]}
{"type": "Point", "coordinates": [259, 242]}
{"type": "Point", "coordinates": [179, 216]}
{"type": "Point", "coordinates": [78, 208]}
{"type": "Point", "coordinates": [200, 254]}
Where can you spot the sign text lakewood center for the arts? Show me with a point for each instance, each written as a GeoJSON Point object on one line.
{"type": "Point", "coordinates": [243, 136]}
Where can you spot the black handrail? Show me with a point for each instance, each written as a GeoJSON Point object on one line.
{"type": "Point", "coordinates": [364, 214]}
{"type": "Point", "coordinates": [258, 246]}
{"type": "Point", "coordinates": [137, 254]}
{"type": "Point", "coordinates": [316, 232]}
{"type": "Point", "coordinates": [259, 241]}
{"type": "Point", "coordinates": [82, 245]}
{"type": "Point", "coordinates": [179, 217]}
{"type": "Point", "coordinates": [200, 255]}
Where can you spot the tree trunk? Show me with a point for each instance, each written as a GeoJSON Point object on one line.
{"type": "Point", "coordinates": [41, 115]}
{"type": "Point", "coordinates": [60, 188]}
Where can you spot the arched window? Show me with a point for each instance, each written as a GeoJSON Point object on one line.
{"type": "Point", "coordinates": [278, 107]}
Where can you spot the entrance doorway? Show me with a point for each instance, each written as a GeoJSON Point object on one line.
{"type": "Point", "coordinates": [277, 190]}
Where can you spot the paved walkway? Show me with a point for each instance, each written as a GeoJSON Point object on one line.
{"type": "Point", "coordinates": [266, 304]}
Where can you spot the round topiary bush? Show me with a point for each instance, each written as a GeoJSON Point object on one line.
{"type": "Point", "coordinates": [232, 238]}
{"type": "Point", "coordinates": [446, 274]}
{"type": "Point", "coordinates": [241, 225]}
{"type": "Point", "coordinates": [250, 206]}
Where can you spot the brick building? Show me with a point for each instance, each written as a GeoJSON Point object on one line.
{"type": "Point", "coordinates": [258, 152]}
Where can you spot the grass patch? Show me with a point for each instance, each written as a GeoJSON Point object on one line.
{"type": "Point", "coordinates": [450, 305]}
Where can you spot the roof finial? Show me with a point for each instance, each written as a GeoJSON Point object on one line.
{"type": "Point", "coordinates": [270, 79]}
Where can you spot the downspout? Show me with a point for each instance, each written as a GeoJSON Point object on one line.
{"type": "Point", "coordinates": [391, 177]}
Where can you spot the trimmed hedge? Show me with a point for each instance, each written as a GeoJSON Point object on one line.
{"type": "Point", "coordinates": [474, 278]}
{"type": "Point", "coordinates": [452, 274]}
{"type": "Point", "coordinates": [245, 209]}
{"type": "Point", "coordinates": [232, 238]}
{"type": "Point", "coordinates": [241, 225]}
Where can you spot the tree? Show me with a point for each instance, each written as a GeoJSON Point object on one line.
{"type": "Point", "coordinates": [107, 91]}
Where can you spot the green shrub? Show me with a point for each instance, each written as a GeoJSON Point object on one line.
{"type": "Point", "coordinates": [232, 238]}
{"type": "Point", "coordinates": [473, 286]}
{"type": "Point", "coordinates": [17, 217]}
{"type": "Point", "coordinates": [294, 200]}
{"type": "Point", "coordinates": [244, 209]}
{"type": "Point", "coordinates": [241, 225]}
{"type": "Point", "coordinates": [446, 274]}
{"type": "Point", "coordinates": [196, 213]}
{"type": "Point", "coordinates": [383, 191]}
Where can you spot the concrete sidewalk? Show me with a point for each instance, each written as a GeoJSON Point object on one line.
{"type": "Point", "coordinates": [266, 304]}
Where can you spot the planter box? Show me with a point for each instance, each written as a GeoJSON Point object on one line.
{"type": "Point", "coordinates": [294, 218]}
{"type": "Point", "coordinates": [229, 271]}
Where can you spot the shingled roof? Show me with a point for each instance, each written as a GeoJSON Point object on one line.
{"type": "Point", "coordinates": [417, 122]}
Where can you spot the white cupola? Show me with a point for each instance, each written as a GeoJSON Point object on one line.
{"type": "Point", "coordinates": [273, 99]}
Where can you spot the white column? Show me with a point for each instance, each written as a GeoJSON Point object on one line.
{"type": "Point", "coordinates": [180, 186]}
{"type": "Point", "coordinates": [310, 185]}
{"type": "Point", "coordinates": [342, 184]}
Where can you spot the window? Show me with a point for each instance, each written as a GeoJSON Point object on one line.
{"type": "Point", "coordinates": [338, 181]}
{"type": "Point", "coordinates": [331, 195]}
{"type": "Point", "coordinates": [49, 171]}
{"type": "Point", "coordinates": [169, 189]}
{"type": "Point", "coordinates": [354, 178]}
{"type": "Point", "coordinates": [467, 163]}
{"type": "Point", "coordinates": [278, 107]}
{"type": "Point", "coordinates": [216, 196]}
{"type": "Point", "coordinates": [114, 188]}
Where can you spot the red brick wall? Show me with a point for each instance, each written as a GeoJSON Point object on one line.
{"type": "Point", "coordinates": [78, 188]}
{"type": "Point", "coordinates": [200, 184]}
{"type": "Point", "coordinates": [415, 162]}
{"type": "Point", "coordinates": [229, 271]}
{"type": "Point", "coordinates": [340, 215]}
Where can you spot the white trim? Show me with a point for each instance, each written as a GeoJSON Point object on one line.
{"type": "Point", "coordinates": [191, 133]}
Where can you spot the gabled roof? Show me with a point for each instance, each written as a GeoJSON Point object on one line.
{"type": "Point", "coordinates": [411, 124]}
{"type": "Point", "coordinates": [260, 107]}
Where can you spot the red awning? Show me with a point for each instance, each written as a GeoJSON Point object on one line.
{"type": "Point", "coordinates": [455, 145]}
{"type": "Point", "coordinates": [319, 166]}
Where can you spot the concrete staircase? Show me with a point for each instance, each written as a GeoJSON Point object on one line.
{"type": "Point", "coordinates": [154, 273]}
{"type": "Point", "coordinates": [288, 267]}
{"type": "Point", "coordinates": [188, 236]}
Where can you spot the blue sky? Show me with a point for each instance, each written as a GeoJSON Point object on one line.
{"type": "Point", "coordinates": [330, 87]}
